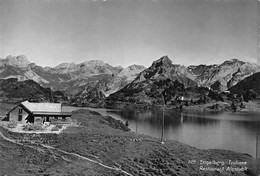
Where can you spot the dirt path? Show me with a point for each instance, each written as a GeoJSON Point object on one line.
{"type": "Point", "coordinates": [88, 159]}
{"type": "Point", "coordinates": [68, 153]}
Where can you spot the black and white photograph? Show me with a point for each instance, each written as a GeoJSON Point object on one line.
{"type": "Point", "coordinates": [129, 87]}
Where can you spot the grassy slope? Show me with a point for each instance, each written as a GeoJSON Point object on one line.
{"type": "Point", "coordinates": [108, 140]}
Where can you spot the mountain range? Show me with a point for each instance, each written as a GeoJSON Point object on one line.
{"type": "Point", "coordinates": [93, 81]}
{"type": "Point", "coordinates": [164, 76]}
{"type": "Point", "coordinates": [76, 80]}
{"type": "Point", "coordinates": [226, 75]}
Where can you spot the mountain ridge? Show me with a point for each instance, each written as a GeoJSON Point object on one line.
{"type": "Point", "coordinates": [97, 77]}
{"type": "Point", "coordinates": [74, 79]}
{"type": "Point", "coordinates": [163, 75]}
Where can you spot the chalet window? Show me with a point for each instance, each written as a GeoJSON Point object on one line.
{"type": "Point", "coordinates": [20, 111]}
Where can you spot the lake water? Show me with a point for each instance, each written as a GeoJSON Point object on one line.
{"type": "Point", "coordinates": [230, 131]}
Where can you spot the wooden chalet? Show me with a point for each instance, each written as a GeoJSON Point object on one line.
{"type": "Point", "coordinates": [40, 112]}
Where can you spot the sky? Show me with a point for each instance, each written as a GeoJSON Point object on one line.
{"type": "Point", "coordinates": [125, 32]}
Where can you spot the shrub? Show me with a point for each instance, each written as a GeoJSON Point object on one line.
{"type": "Point", "coordinates": [59, 126]}
{"type": "Point", "coordinates": [233, 106]}
{"type": "Point", "coordinates": [12, 124]}
{"type": "Point", "coordinates": [33, 127]}
{"type": "Point", "coordinates": [250, 95]}
{"type": "Point", "coordinates": [242, 105]}
{"type": "Point", "coordinates": [55, 128]}
{"type": "Point", "coordinates": [215, 106]}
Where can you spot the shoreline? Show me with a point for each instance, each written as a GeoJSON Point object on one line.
{"type": "Point", "coordinates": [112, 143]}
{"type": "Point", "coordinates": [251, 106]}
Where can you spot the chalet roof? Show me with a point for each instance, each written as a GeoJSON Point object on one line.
{"type": "Point", "coordinates": [42, 107]}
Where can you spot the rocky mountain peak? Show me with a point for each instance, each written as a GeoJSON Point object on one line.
{"type": "Point", "coordinates": [17, 61]}
{"type": "Point", "coordinates": [135, 67]}
{"type": "Point", "coordinates": [119, 67]}
{"type": "Point", "coordinates": [66, 65]}
{"type": "Point", "coordinates": [232, 62]}
{"type": "Point", "coordinates": [162, 69]}
{"type": "Point", "coordinates": [93, 63]}
{"type": "Point", "coordinates": [163, 61]}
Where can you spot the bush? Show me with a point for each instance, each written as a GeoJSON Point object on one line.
{"type": "Point", "coordinates": [215, 96]}
{"type": "Point", "coordinates": [59, 126]}
{"type": "Point", "coordinates": [250, 95]}
{"type": "Point", "coordinates": [233, 106]}
{"type": "Point", "coordinates": [55, 128]}
{"type": "Point", "coordinates": [12, 124]}
{"type": "Point", "coordinates": [242, 105]}
{"type": "Point", "coordinates": [33, 127]}
{"type": "Point", "coordinates": [215, 106]}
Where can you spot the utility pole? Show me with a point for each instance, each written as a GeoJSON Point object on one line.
{"type": "Point", "coordinates": [256, 150]}
{"type": "Point", "coordinates": [163, 96]}
{"type": "Point", "coordinates": [258, 59]}
{"type": "Point", "coordinates": [162, 125]}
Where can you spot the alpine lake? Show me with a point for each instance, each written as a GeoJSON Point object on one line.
{"type": "Point", "coordinates": [236, 131]}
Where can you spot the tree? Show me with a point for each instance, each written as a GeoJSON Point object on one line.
{"type": "Point", "coordinates": [250, 94]}
{"type": "Point", "coordinates": [242, 105]}
{"type": "Point", "coordinates": [204, 99]}
{"type": "Point", "coordinates": [241, 99]}
{"type": "Point", "coordinates": [214, 106]}
{"type": "Point", "coordinates": [180, 108]}
{"type": "Point", "coordinates": [164, 95]}
{"type": "Point", "coordinates": [220, 98]}
{"type": "Point", "coordinates": [233, 106]}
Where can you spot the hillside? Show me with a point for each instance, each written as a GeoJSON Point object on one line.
{"type": "Point", "coordinates": [248, 87]}
{"type": "Point", "coordinates": [13, 91]}
{"type": "Point", "coordinates": [101, 145]}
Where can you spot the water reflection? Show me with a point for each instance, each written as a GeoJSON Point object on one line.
{"type": "Point", "coordinates": [229, 131]}
{"type": "Point", "coordinates": [171, 118]}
